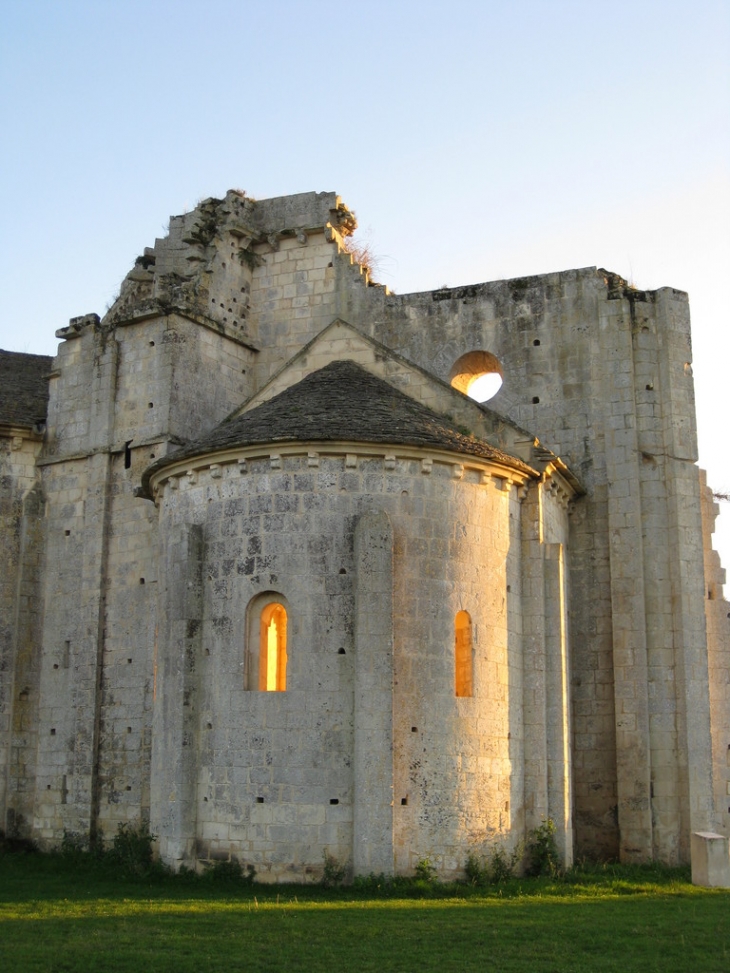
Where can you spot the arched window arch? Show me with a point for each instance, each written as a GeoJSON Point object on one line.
{"type": "Point", "coordinates": [463, 657]}
{"type": "Point", "coordinates": [266, 650]}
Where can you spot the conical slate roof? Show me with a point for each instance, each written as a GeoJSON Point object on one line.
{"type": "Point", "coordinates": [340, 402]}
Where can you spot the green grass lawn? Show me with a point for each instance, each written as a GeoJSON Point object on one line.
{"type": "Point", "coordinates": [61, 916]}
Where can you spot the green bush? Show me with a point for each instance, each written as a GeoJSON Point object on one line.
{"type": "Point", "coordinates": [477, 871]}
{"type": "Point", "coordinates": [542, 851]}
{"type": "Point", "coordinates": [74, 845]}
{"type": "Point", "coordinates": [131, 849]}
{"type": "Point", "coordinates": [334, 873]}
{"type": "Point", "coordinates": [372, 883]}
{"type": "Point", "coordinates": [502, 866]}
{"type": "Point", "coordinates": [425, 871]}
{"type": "Point", "coordinates": [497, 868]}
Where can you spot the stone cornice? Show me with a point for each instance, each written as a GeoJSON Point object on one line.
{"type": "Point", "coordinates": [14, 431]}
{"type": "Point", "coordinates": [145, 311]}
{"type": "Point", "coordinates": [490, 471]}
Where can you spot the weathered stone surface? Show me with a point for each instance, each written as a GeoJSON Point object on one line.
{"type": "Point", "coordinates": [710, 860]}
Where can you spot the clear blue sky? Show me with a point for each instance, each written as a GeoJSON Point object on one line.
{"type": "Point", "coordinates": [475, 140]}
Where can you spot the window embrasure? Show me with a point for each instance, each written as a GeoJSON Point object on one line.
{"type": "Point", "coordinates": [463, 656]}
{"type": "Point", "coordinates": [266, 650]}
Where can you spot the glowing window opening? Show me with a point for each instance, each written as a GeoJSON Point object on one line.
{"type": "Point", "coordinates": [477, 374]}
{"type": "Point", "coordinates": [265, 656]}
{"type": "Point", "coordinates": [272, 648]}
{"type": "Point", "coordinates": [484, 387]}
{"type": "Point", "coordinates": [463, 656]}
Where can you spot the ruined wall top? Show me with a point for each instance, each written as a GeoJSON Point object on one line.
{"type": "Point", "coordinates": [182, 272]}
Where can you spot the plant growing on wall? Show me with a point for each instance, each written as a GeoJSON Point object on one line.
{"type": "Point", "coordinates": [542, 850]}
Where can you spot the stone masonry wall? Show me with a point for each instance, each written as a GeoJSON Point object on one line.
{"type": "Point", "coordinates": [602, 375]}
{"type": "Point", "coordinates": [544, 332]}
{"type": "Point", "coordinates": [21, 545]}
{"type": "Point", "coordinates": [718, 643]}
{"type": "Point", "coordinates": [121, 394]}
{"type": "Point", "coordinates": [292, 299]}
{"type": "Point", "coordinates": [275, 770]}
{"type": "Point", "coordinates": [547, 661]}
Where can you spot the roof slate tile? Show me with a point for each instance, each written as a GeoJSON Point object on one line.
{"type": "Point", "coordinates": [23, 388]}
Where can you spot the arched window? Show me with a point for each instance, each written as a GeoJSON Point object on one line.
{"type": "Point", "coordinates": [272, 648]}
{"type": "Point", "coordinates": [266, 655]}
{"type": "Point", "coordinates": [463, 665]}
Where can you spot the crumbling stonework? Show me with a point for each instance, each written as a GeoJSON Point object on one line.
{"type": "Point", "coordinates": [255, 430]}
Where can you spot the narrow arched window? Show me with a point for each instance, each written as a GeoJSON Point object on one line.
{"type": "Point", "coordinates": [266, 643]}
{"type": "Point", "coordinates": [463, 663]}
{"type": "Point", "coordinates": [272, 648]}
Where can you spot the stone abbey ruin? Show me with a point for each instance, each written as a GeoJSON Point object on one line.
{"type": "Point", "coordinates": [277, 586]}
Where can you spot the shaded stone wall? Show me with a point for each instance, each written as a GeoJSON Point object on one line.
{"type": "Point", "coordinates": [547, 662]}
{"type": "Point", "coordinates": [718, 643]}
{"type": "Point", "coordinates": [21, 547]}
{"type": "Point", "coordinates": [122, 393]}
{"type": "Point", "coordinates": [372, 765]}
